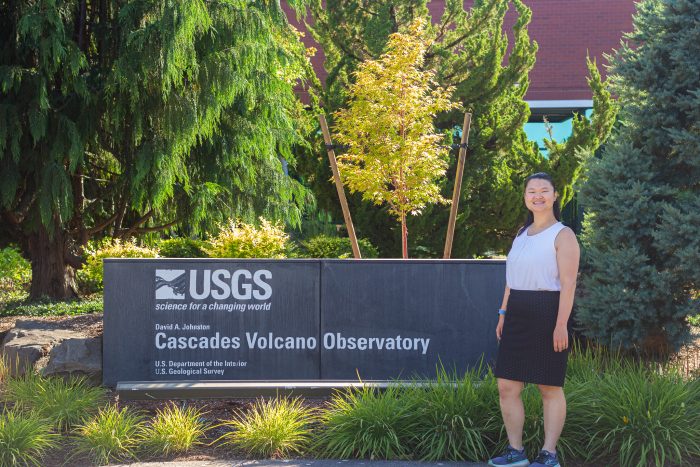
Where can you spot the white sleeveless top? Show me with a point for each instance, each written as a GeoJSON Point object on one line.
{"type": "Point", "coordinates": [532, 261]}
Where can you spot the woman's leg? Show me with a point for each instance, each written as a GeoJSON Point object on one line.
{"type": "Point", "coordinates": [512, 410]}
{"type": "Point", "coordinates": [554, 405]}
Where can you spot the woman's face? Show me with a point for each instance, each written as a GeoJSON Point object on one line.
{"type": "Point", "coordinates": [539, 195]}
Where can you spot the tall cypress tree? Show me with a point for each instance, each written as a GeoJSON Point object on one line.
{"type": "Point", "coordinates": [642, 197]}
{"type": "Point", "coordinates": [470, 51]}
{"type": "Point", "coordinates": [119, 117]}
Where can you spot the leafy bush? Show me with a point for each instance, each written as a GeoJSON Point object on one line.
{"type": "Point", "coordinates": [324, 246]}
{"type": "Point", "coordinates": [174, 430]}
{"type": "Point", "coordinates": [276, 427]}
{"type": "Point", "coordinates": [111, 435]}
{"type": "Point", "coordinates": [90, 304]}
{"type": "Point", "coordinates": [452, 416]}
{"type": "Point", "coordinates": [182, 247]}
{"type": "Point", "coordinates": [241, 240]}
{"type": "Point", "coordinates": [694, 320]}
{"type": "Point", "coordinates": [644, 417]}
{"type": "Point", "coordinates": [367, 423]}
{"type": "Point", "coordinates": [24, 438]}
{"type": "Point", "coordinates": [62, 402]}
{"type": "Point", "coordinates": [15, 271]}
{"type": "Point", "coordinates": [90, 275]}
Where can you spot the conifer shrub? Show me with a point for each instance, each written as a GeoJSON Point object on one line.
{"type": "Point", "coordinates": [323, 246]}
{"type": "Point", "coordinates": [238, 239]}
{"type": "Point", "coordinates": [277, 427]}
{"type": "Point", "coordinates": [642, 196]}
{"type": "Point", "coordinates": [90, 276]}
{"type": "Point", "coordinates": [182, 247]}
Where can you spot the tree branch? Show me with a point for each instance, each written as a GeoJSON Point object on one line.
{"type": "Point", "coordinates": [130, 231]}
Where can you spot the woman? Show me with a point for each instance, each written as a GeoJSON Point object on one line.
{"type": "Point", "coordinates": [532, 327]}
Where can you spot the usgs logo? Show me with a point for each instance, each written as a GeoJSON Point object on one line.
{"type": "Point", "coordinates": [219, 284]}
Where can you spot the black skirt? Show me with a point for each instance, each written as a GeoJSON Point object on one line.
{"type": "Point", "coordinates": [526, 350]}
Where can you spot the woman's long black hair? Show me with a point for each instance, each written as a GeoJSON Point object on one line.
{"type": "Point", "coordinates": [530, 217]}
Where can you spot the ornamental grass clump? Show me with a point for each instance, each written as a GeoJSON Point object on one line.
{"type": "Point", "coordinates": [111, 435]}
{"type": "Point", "coordinates": [452, 416]}
{"type": "Point", "coordinates": [591, 362]}
{"type": "Point", "coordinates": [23, 391]}
{"type": "Point", "coordinates": [277, 427]}
{"type": "Point", "coordinates": [645, 417]}
{"type": "Point", "coordinates": [63, 403]}
{"type": "Point", "coordinates": [174, 430]}
{"type": "Point", "coordinates": [24, 438]}
{"type": "Point", "coordinates": [368, 424]}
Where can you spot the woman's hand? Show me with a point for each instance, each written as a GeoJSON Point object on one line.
{"type": "Point", "coordinates": [499, 326]}
{"type": "Point", "coordinates": [561, 338]}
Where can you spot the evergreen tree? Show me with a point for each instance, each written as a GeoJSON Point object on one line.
{"type": "Point", "coordinates": [120, 117]}
{"type": "Point", "coordinates": [642, 198]}
{"type": "Point", "coordinates": [470, 52]}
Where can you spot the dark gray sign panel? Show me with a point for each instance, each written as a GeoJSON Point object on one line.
{"type": "Point", "coordinates": [193, 320]}
{"type": "Point", "coordinates": [169, 320]}
{"type": "Point", "coordinates": [387, 319]}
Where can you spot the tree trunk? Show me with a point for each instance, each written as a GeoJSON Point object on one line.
{"type": "Point", "coordinates": [52, 276]}
{"type": "Point", "coordinates": [404, 236]}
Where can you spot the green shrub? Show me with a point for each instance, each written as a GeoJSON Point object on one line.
{"type": "Point", "coordinates": [174, 430]}
{"type": "Point", "coordinates": [24, 438]}
{"type": "Point", "coordinates": [694, 320]}
{"type": "Point", "coordinates": [367, 423]}
{"type": "Point", "coordinates": [276, 427]}
{"type": "Point", "coordinates": [111, 435]}
{"type": "Point", "coordinates": [90, 275]}
{"type": "Point", "coordinates": [241, 240]}
{"type": "Point", "coordinates": [645, 417]}
{"type": "Point", "coordinates": [452, 416]}
{"type": "Point", "coordinates": [324, 246]}
{"type": "Point", "coordinates": [15, 277]}
{"type": "Point", "coordinates": [90, 304]}
{"type": "Point", "coordinates": [182, 247]}
{"type": "Point", "coordinates": [62, 402]}
{"type": "Point", "coordinates": [15, 271]}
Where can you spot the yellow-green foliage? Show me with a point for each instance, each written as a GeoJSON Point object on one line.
{"type": "Point", "coordinates": [15, 271]}
{"type": "Point", "coordinates": [174, 430]}
{"type": "Point", "coordinates": [276, 427]}
{"type": "Point", "coordinates": [394, 153]}
{"type": "Point", "coordinates": [112, 435]}
{"type": "Point", "coordinates": [24, 438]}
{"type": "Point", "coordinates": [241, 240]}
{"type": "Point", "coordinates": [90, 276]}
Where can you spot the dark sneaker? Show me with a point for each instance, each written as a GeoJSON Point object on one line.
{"type": "Point", "coordinates": [546, 459]}
{"type": "Point", "coordinates": [511, 457]}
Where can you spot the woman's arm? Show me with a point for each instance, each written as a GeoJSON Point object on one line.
{"type": "Point", "coordinates": [501, 318]}
{"type": "Point", "coordinates": [568, 254]}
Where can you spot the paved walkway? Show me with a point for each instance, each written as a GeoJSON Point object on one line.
{"type": "Point", "coordinates": [303, 463]}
